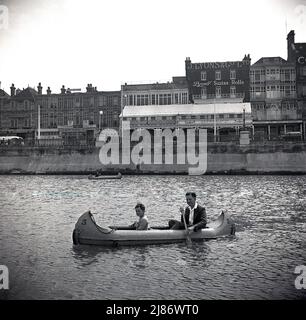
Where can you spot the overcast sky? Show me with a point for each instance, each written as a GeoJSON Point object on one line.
{"type": "Point", "coordinates": [107, 43]}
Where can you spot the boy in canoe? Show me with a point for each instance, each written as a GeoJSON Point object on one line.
{"type": "Point", "coordinates": [142, 223]}
{"type": "Point", "coordinates": [195, 215]}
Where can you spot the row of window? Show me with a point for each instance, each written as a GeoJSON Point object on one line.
{"type": "Point", "coordinates": [218, 75]}
{"type": "Point", "coordinates": [184, 117]}
{"type": "Point", "coordinates": [218, 91]}
{"type": "Point", "coordinates": [156, 99]}
{"type": "Point", "coordinates": [284, 107]}
{"type": "Point", "coordinates": [281, 88]}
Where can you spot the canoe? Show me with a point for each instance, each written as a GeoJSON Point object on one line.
{"type": "Point", "coordinates": [102, 177]}
{"type": "Point", "coordinates": [87, 232]}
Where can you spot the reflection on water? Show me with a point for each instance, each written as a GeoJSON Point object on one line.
{"type": "Point", "coordinates": [38, 214]}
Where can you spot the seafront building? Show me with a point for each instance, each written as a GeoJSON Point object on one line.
{"type": "Point", "coordinates": [296, 53]}
{"type": "Point", "coordinates": [266, 99]}
{"type": "Point", "coordinates": [218, 82]}
{"type": "Point", "coordinates": [165, 93]}
{"type": "Point", "coordinates": [217, 118]}
{"type": "Point", "coordinates": [67, 118]}
{"type": "Point", "coordinates": [273, 97]}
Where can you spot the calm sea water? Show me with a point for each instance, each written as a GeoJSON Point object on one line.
{"type": "Point", "coordinates": [38, 214]}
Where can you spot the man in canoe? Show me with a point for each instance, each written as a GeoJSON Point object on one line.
{"type": "Point", "coordinates": [195, 215]}
{"type": "Point", "coordinates": [142, 223]}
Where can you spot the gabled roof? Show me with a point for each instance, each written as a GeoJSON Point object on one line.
{"type": "Point", "coordinates": [26, 94]}
{"type": "Point", "coordinates": [4, 94]}
{"type": "Point", "coordinates": [264, 61]}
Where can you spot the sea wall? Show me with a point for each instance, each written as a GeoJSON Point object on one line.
{"type": "Point", "coordinates": [228, 159]}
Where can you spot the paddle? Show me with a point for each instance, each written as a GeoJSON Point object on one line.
{"type": "Point", "coordinates": [188, 239]}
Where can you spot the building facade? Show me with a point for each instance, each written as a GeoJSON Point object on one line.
{"type": "Point", "coordinates": [297, 55]}
{"type": "Point", "coordinates": [222, 121]}
{"type": "Point", "coordinates": [74, 117]}
{"type": "Point", "coordinates": [18, 114]}
{"type": "Point", "coordinates": [273, 98]}
{"type": "Point", "coordinates": [218, 82]}
{"type": "Point", "coordinates": [175, 92]}
{"type": "Point", "coordinates": [4, 98]}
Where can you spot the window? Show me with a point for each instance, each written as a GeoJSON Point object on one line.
{"type": "Point", "coordinates": [204, 93]}
{"type": "Point", "coordinates": [218, 92]}
{"type": "Point", "coordinates": [221, 116]}
{"type": "Point", "coordinates": [153, 99]}
{"type": "Point", "coordinates": [303, 71]}
{"type": "Point", "coordinates": [218, 75]}
{"type": "Point", "coordinates": [203, 75]}
{"type": "Point", "coordinates": [233, 74]}
{"type": "Point", "coordinates": [184, 98]}
{"type": "Point", "coordinates": [231, 115]}
{"type": "Point", "coordinates": [233, 91]}
{"type": "Point", "coordinates": [239, 115]}
{"type": "Point", "coordinates": [257, 76]}
{"type": "Point", "coordinates": [131, 100]}
{"type": "Point", "coordinates": [14, 123]}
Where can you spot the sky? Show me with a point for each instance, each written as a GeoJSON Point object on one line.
{"type": "Point", "coordinates": [110, 42]}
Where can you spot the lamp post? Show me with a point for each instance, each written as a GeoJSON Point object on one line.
{"type": "Point", "coordinates": [38, 123]}
{"type": "Point", "coordinates": [100, 120]}
{"type": "Point", "coordinates": [215, 123]}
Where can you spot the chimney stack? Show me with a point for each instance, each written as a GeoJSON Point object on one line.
{"type": "Point", "coordinates": [290, 46]}
{"type": "Point", "coordinates": [13, 89]}
{"type": "Point", "coordinates": [48, 91]}
{"type": "Point", "coordinates": [39, 88]}
{"type": "Point", "coordinates": [63, 90]}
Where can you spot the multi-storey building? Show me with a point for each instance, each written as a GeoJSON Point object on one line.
{"type": "Point", "coordinates": [273, 97]}
{"type": "Point", "coordinates": [18, 113]}
{"type": "Point", "coordinates": [297, 55]}
{"type": "Point", "coordinates": [72, 117]}
{"type": "Point", "coordinates": [218, 82]}
{"type": "Point", "coordinates": [4, 97]}
{"type": "Point", "coordinates": [175, 92]}
{"type": "Point", "coordinates": [222, 121]}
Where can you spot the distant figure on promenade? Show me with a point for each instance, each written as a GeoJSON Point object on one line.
{"type": "Point", "coordinates": [195, 215]}
{"type": "Point", "coordinates": [142, 223]}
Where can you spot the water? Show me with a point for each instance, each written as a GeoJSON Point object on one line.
{"type": "Point", "coordinates": [38, 214]}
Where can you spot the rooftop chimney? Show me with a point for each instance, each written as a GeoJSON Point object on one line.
{"type": "Point", "coordinates": [39, 88]}
{"type": "Point", "coordinates": [63, 90]}
{"type": "Point", "coordinates": [48, 91]}
{"type": "Point", "coordinates": [13, 89]}
{"type": "Point", "coordinates": [290, 46]}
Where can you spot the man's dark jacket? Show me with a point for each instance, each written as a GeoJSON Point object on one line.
{"type": "Point", "coordinates": [199, 218]}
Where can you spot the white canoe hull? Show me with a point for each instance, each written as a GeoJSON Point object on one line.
{"type": "Point", "coordinates": [88, 232]}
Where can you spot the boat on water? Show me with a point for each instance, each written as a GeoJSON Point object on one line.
{"type": "Point", "coordinates": [87, 232]}
{"type": "Point", "coordinates": [102, 177]}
